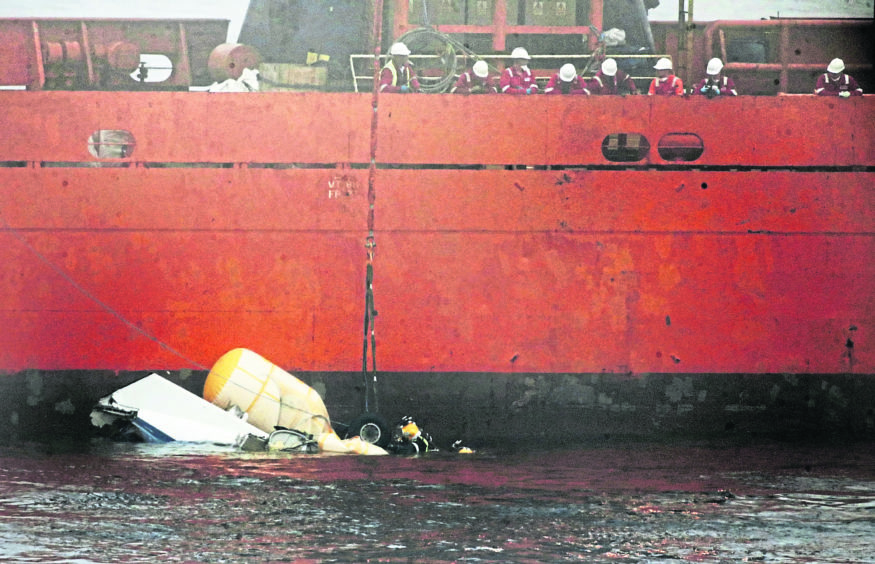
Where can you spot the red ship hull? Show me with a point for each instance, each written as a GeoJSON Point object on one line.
{"type": "Point", "coordinates": [507, 243]}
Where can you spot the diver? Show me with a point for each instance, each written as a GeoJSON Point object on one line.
{"type": "Point", "coordinates": [410, 439]}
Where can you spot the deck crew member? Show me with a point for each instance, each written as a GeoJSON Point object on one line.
{"type": "Point", "coordinates": [611, 80]}
{"type": "Point", "coordinates": [566, 81]}
{"type": "Point", "coordinates": [397, 75]}
{"type": "Point", "coordinates": [716, 83]}
{"type": "Point", "coordinates": [518, 78]}
{"type": "Point", "coordinates": [834, 82]}
{"type": "Point", "coordinates": [666, 83]}
{"type": "Point", "coordinates": [475, 81]}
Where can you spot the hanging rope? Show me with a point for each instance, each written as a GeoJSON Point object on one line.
{"type": "Point", "coordinates": [371, 243]}
{"type": "Point", "coordinates": [370, 313]}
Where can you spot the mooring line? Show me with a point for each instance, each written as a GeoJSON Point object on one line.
{"type": "Point", "coordinates": [106, 307]}
{"type": "Point", "coordinates": [103, 305]}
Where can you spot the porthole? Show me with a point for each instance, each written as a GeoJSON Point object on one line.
{"type": "Point", "coordinates": [625, 147]}
{"type": "Point", "coordinates": [680, 147]}
{"type": "Point", "coordinates": [153, 68]}
{"type": "Point", "coordinates": [111, 144]}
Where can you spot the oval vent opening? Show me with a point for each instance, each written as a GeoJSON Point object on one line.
{"type": "Point", "coordinates": [625, 147]}
{"type": "Point", "coordinates": [111, 144]}
{"type": "Point", "coordinates": [680, 147]}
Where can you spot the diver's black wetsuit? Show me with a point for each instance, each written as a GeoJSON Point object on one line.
{"type": "Point", "coordinates": [420, 445]}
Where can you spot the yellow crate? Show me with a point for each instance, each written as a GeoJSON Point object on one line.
{"type": "Point", "coordinates": [281, 76]}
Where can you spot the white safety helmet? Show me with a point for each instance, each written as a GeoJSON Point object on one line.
{"type": "Point", "coordinates": [399, 49]}
{"type": "Point", "coordinates": [520, 53]}
{"type": "Point", "coordinates": [567, 72]}
{"type": "Point", "coordinates": [481, 69]}
{"type": "Point", "coordinates": [836, 66]}
{"type": "Point", "coordinates": [609, 67]}
{"type": "Point", "coordinates": [715, 65]}
{"type": "Point", "coordinates": [663, 64]}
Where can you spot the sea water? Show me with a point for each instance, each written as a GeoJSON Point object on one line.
{"type": "Point", "coordinates": [629, 502]}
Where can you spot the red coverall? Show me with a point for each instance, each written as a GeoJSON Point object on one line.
{"type": "Point", "coordinates": [845, 83]}
{"type": "Point", "coordinates": [669, 86]}
{"type": "Point", "coordinates": [468, 81]}
{"type": "Point", "coordinates": [391, 80]}
{"type": "Point", "coordinates": [726, 86]}
{"type": "Point", "coordinates": [576, 86]}
{"type": "Point", "coordinates": [604, 84]}
{"type": "Point", "coordinates": [517, 82]}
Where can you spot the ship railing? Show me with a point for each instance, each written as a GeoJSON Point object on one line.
{"type": "Point", "coordinates": [361, 65]}
{"type": "Point", "coordinates": [786, 55]}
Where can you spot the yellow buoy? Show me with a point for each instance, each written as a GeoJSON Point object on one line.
{"type": "Point", "coordinates": [268, 394]}
{"type": "Point", "coordinates": [271, 397]}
